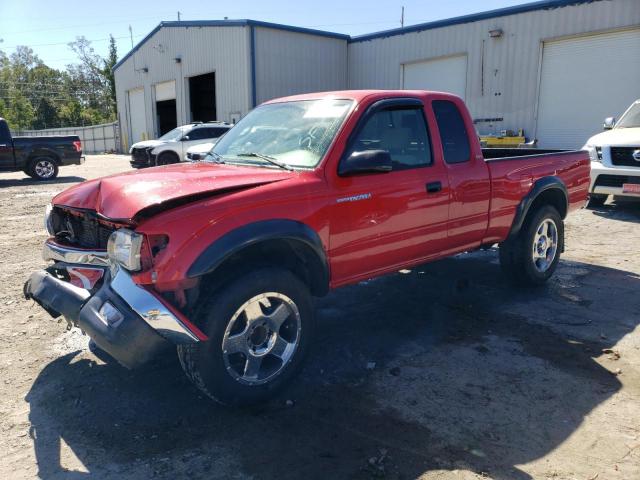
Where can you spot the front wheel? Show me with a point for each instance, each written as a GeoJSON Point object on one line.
{"type": "Point", "coordinates": [167, 158]}
{"type": "Point", "coordinates": [259, 328]}
{"type": "Point", "coordinates": [532, 256]}
{"type": "Point", "coordinates": [42, 168]}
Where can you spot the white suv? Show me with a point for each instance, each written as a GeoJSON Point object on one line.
{"type": "Point", "coordinates": [173, 146]}
{"type": "Point", "coordinates": [615, 158]}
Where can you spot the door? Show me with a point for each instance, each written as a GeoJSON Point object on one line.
{"type": "Point", "coordinates": [440, 75]}
{"type": "Point", "coordinates": [137, 115]}
{"type": "Point", "coordinates": [7, 160]}
{"type": "Point", "coordinates": [166, 107]}
{"type": "Point", "coordinates": [380, 221]}
{"type": "Point", "coordinates": [583, 81]}
{"type": "Point", "coordinates": [468, 176]}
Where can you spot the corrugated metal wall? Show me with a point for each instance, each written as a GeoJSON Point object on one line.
{"type": "Point", "coordinates": [101, 138]}
{"type": "Point", "coordinates": [224, 50]}
{"type": "Point", "coordinates": [506, 83]}
{"type": "Point", "coordinates": [288, 63]}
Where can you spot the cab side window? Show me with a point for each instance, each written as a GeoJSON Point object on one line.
{"type": "Point", "coordinates": [400, 131]}
{"type": "Point", "coordinates": [218, 132]}
{"type": "Point", "coordinates": [197, 134]}
{"type": "Point", "coordinates": [453, 134]}
{"type": "Point", "coordinates": [5, 134]}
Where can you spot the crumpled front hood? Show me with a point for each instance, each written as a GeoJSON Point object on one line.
{"type": "Point", "coordinates": [148, 143]}
{"type": "Point", "coordinates": [122, 196]}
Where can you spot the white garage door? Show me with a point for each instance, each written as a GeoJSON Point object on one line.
{"type": "Point", "coordinates": [442, 75]}
{"type": "Point", "coordinates": [165, 91]}
{"type": "Point", "coordinates": [584, 80]}
{"type": "Point", "coordinates": [137, 115]}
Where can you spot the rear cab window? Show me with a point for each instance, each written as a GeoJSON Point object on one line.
{"type": "Point", "coordinates": [453, 133]}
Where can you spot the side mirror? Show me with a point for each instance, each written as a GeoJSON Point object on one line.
{"type": "Point", "coordinates": [609, 123]}
{"type": "Point", "coordinates": [185, 138]}
{"type": "Point", "coordinates": [367, 161]}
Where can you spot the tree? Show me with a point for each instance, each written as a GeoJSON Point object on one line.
{"type": "Point", "coordinates": [33, 95]}
{"type": "Point", "coordinates": [107, 71]}
{"type": "Point", "coordinates": [18, 111]}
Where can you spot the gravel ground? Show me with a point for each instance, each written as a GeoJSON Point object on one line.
{"type": "Point", "coordinates": [440, 372]}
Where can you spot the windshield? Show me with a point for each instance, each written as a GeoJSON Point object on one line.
{"type": "Point", "coordinates": [174, 135]}
{"type": "Point", "coordinates": [296, 134]}
{"type": "Point", "coordinates": [630, 118]}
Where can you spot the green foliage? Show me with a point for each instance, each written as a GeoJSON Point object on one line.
{"type": "Point", "coordinates": [33, 95]}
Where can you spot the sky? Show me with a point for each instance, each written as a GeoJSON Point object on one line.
{"type": "Point", "coordinates": [48, 26]}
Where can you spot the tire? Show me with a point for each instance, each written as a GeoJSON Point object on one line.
{"type": "Point", "coordinates": [233, 319]}
{"type": "Point", "coordinates": [596, 201]}
{"type": "Point", "coordinates": [167, 158]}
{"type": "Point", "coordinates": [517, 254]}
{"type": "Point", "coordinates": [42, 168]}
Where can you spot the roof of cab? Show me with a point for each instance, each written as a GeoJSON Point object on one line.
{"type": "Point", "coordinates": [358, 95]}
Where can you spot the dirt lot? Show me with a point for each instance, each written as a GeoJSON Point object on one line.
{"type": "Point", "coordinates": [440, 372]}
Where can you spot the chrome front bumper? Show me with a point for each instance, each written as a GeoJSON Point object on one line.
{"type": "Point", "coordinates": [146, 316]}
{"type": "Point", "coordinates": [59, 253]}
{"type": "Point", "coordinates": [150, 308]}
{"type": "Point", "coordinates": [598, 169]}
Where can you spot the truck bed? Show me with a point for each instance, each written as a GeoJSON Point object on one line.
{"type": "Point", "coordinates": [513, 177]}
{"type": "Point", "coordinates": [505, 153]}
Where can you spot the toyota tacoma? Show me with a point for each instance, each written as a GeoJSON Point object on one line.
{"type": "Point", "coordinates": [305, 194]}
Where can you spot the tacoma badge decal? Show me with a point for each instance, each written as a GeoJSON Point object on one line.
{"type": "Point", "coordinates": [354, 198]}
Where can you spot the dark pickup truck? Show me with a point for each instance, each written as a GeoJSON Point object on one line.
{"type": "Point", "coordinates": [38, 157]}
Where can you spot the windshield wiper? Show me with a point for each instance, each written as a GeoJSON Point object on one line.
{"type": "Point", "coordinates": [266, 158]}
{"type": "Point", "coordinates": [217, 158]}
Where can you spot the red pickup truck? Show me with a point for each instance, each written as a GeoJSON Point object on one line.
{"type": "Point", "coordinates": [305, 194]}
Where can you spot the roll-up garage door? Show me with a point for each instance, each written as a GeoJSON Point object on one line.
{"type": "Point", "coordinates": [165, 91]}
{"type": "Point", "coordinates": [137, 115]}
{"type": "Point", "coordinates": [583, 81]}
{"type": "Point", "coordinates": [442, 74]}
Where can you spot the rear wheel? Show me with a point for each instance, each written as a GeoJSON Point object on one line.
{"type": "Point", "coordinates": [42, 168]}
{"type": "Point", "coordinates": [596, 200]}
{"type": "Point", "coordinates": [259, 328]}
{"type": "Point", "coordinates": [532, 256]}
{"type": "Point", "coordinates": [167, 158]}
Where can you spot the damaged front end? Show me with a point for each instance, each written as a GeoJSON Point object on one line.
{"type": "Point", "coordinates": [93, 291]}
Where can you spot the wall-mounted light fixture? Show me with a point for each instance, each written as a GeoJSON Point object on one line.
{"type": "Point", "coordinates": [496, 33]}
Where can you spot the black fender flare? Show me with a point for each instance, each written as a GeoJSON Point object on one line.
{"type": "Point", "coordinates": [540, 186]}
{"type": "Point", "coordinates": [277, 229]}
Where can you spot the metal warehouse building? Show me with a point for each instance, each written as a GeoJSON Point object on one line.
{"type": "Point", "coordinates": [555, 69]}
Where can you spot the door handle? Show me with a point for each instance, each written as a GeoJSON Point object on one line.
{"type": "Point", "coordinates": [433, 187]}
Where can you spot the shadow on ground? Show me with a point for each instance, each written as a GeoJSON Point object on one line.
{"type": "Point", "coordinates": [625, 209]}
{"type": "Point", "coordinates": [459, 383]}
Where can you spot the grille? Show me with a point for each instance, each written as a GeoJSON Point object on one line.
{"type": "Point", "coordinates": [140, 156]}
{"type": "Point", "coordinates": [623, 156]}
{"type": "Point", "coordinates": [83, 231]}
{"type": "Point", "coordinates": [615, 181]}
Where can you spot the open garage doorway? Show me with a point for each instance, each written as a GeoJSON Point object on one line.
{"type": "Point", "coordinates": [166, 111]}
{"type": "Point", "coordinates": [167, 118]}
{"type": "Point", "coordinates": [202, 97]}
